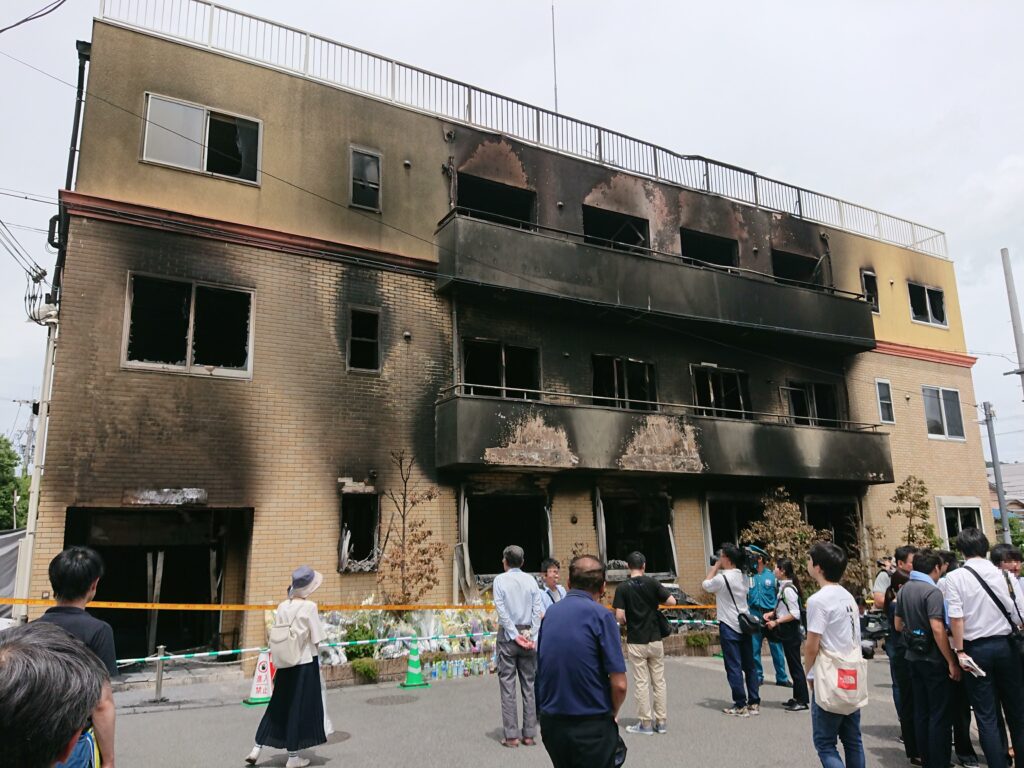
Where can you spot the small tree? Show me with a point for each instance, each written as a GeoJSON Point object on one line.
{"type": "Point", "coordinates": [11, 485]}
{"type": "Point", "coordinates": [782, 531]}
{"type": "Point", "coordinates": [911, 504]}
{"type": "Point", "coordinates": [408, 565]}
{"type": "Point", "coordinates": [1016, 531]}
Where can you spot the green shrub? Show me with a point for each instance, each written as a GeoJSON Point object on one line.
{"type": "Point", "coordinates": [366, 669]}
{"type": "Point", "coordinates": [698, 639]}
{"type": "Point", "coordinates": [359, 632]}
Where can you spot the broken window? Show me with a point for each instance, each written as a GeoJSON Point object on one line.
{"type": "Point", "coordinates": [958, 518]}
{"type": "Point", "coordinates": [200, 139]}
{"type": "Point", "coordinates": [812, 404]}
{"type": "Point", "coordinates": [364, 340]}
{"type": "Point", "coordinates": [493, 369]}
{"type": "Point", "coordinates": [622, 382]}
{"type": "Point", "coordinates": [721, 392]}
{"type": "Point", "coordinates": [639, 524]}
{"type": "Point", "coordinates": [886, 411]}
{"type": "Point", "coordinates": [365, 179]}
{"type": "Point", "coordinates": [709, 249]}
{"type": "Point", "coordinates": [615, 230]}
{"type": "Point", "coordinates": [927, 305]}
{"type": "Point", "coordinates": [501, 203]}
{"type": "Point", "coordinates": [869, 285]}
{"type": "Point", "coordinates": [496, 521]}
{"type": "Point", "coordinates": [165, 314]}
{"type": "Point", "coordinates": [728, 518]}
{"type": "Point", "coordinates": [942, 413]}
{"type": "Point", "coordinates": [360, 525]}
{"type": "Point", "coordinates": [840, 518]}
{"type": "Point", "coordinates": [796, 268]}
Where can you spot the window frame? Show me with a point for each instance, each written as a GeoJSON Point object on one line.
{"type": "Point", "coordinates": [207, 110]}
{"type": "Point", "coordinates": [808, 386]}
{"type": "Point", "coordinates": [876, 305]}
{"type": "Point", "coordinates": [374, 560]}
{"type": "Point", "coordinates": [503, 386]}
{"type": "Point", "coordinates": [352, 150]}
{"type": "Point", "coordinates": [621, 401]}
{"type": "Point", "coordinates": [597, 503]}
{"type": "Point", "coordinates": [945, 422]}
{"type": "Point", "coordinates": [892, 403]}
{"type": "Point", "coordinates": [931, 322]}
{"type": "Point", "coordinates": [349, 368]}
{"type": "Point", "coordinates": [745, 414]}
{"type": "Point", "coordinates": [189, 368]}
{"type": "Point", "coordinates": [943, 503]}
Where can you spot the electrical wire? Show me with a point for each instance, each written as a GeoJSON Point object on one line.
{"type": "Point", "coordinates": [45, 10]}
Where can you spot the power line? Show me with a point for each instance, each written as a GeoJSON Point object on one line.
{"type": "Point", "coordinates": [45, 10]}
{"type": "Point", "coordinates": [27, 195]}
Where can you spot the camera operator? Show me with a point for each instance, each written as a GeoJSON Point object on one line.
{"type": "Point", "coordinates": [728, 584]}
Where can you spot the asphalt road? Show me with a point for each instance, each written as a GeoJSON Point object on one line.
{"type": "Point", "coordinates": [456, 724]}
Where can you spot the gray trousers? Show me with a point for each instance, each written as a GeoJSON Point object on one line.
{"type": "Point", "coordinates": [513, 660]}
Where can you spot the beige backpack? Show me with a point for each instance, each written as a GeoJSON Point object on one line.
{"type": "Point", "coordinates": [286, 643]}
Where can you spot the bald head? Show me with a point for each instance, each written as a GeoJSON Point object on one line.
{"type": "Point", "coordinates": [586, 572]}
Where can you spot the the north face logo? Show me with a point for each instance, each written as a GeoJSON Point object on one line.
{"type": "Point", "coordinates": [847, 680]}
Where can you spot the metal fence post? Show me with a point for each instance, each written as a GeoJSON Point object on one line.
{"type": "Point", "coordinates": [160, 651]}
{"type": "Point", "coordinates": [305, 56]}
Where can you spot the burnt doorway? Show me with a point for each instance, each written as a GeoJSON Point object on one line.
{"type": "Point", "coordinates": [638, 523]}
{"type": "Point", "coordinates": [497, 520]}
{"type": "Point", "coordinates": [167, 556]}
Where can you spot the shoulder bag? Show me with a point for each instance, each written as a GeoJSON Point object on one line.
{"type": "Point", "coordinates": [840, 681]}
{"type": "Point", "coordinates": [1016, 637]}
{"type": "Point", "coordinates": [787, 629]}
{"type": "Point", "coordinates": [749, 624]}
{"type": "Point", "coordinates": [286, 643]}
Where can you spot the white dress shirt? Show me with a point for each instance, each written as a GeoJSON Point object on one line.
{"type": "Point", "coordinates": [968, 600]}
{"type": "Point", "coordinates": [728, 611]}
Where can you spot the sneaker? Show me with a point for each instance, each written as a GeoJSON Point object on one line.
{"type": "Point", "coordinates": [646, 730]}
{"type": "Point", "coordinates": [795, 706]}
{"type": "Point", "coordinates": [253, 756]}
{"type": "Point", "coordinates": [737, 711]}
{"type": "Point", "coordinates": [968, 762]}
{"type": "Point", "coordinates": [784, 683]}
{"type": "Point", "coordinates": [297, 762]}
{"type": "Point", "coordinates": [754, 709]}
{"type": "Point", "coordinates": [659, 726]}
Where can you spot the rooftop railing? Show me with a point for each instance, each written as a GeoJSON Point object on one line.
{"type": "Point", "coordinates": [249, 37]}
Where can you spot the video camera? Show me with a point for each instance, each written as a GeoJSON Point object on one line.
{"type": "Point", "coordinates": [748, 560]}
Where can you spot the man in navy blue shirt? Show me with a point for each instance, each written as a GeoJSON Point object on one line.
{"type": "Point", "coordinates": [581, 673]}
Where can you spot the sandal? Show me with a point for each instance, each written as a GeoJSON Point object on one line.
{"type": "Point", "coordinates": [510, 743]}
{"type": "Point", "coordinates": [528, 742]}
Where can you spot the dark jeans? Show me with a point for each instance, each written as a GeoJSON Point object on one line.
{"type": "Point", "coordinates": [933, 713]}
{"type": "Point", "coordinates": [827, 727]}
{"type": "Point", "coordinates": [896, 698]}
{"type": "Point", "coordinates": [579, 742]}
{"type": "Point", "coordinates": [900, 668]}
{"type": "Point", "coordinates": [739, 663]}
{"type": "Point", "coordinates": [791, 647]}
{"type": "Point", "coordinates": [961, 706]}
{"type": "Point", "coordinates": [1000, 686]}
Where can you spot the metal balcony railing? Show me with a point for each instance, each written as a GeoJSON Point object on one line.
{"type": "Point", "coordinates": [549, 397]}
{"type": "Point", "coordinates": [249, 37]}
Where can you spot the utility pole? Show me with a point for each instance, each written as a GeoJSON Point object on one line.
{"type": "Point", "coordinates": [29, 433]}
{"type": "Point", "coordinates": [1004, 513]}
{"type": "Point", "coordinates": [1011, 294]}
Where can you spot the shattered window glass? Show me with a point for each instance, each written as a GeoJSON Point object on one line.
{"type": "Point", "coordinates": [869, 284]}
{"type": "Point", "coordinates": [937, 306]}
{"type": "Point", "coordinates": [233, 147]}
{"type": "Point", "coordinates": [927, 305]}
{"type": "Point", "coordinates": [159, 321]}
{"type": "Point", "coordinates": [221, 335]}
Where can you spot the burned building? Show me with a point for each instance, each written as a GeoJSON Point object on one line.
{"type": "Point", "coordinates": [284, 259]}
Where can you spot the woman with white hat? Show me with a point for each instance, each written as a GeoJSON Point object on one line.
{"type": "Point", "coordinates": [294, 718]}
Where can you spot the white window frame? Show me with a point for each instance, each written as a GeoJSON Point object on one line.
{"type": "Point", "coordinates": [601, 528]}
{"type": "Point", "coordinates": [945, 421]}
{"type": "Point", "coordinates": [343, 561]}
{"type": "Point", "coordinates": [189, 368]}
{"type": "Point", "coordinates": [878, 298]}
{"type": "Point", "coordinates": [206, 140]}
{"type": "Point", "coordinates": [892, 402]}
{"type": "Point", "coordinates": [352, 150]}
{"type": "Point", "coordinates": [942, 502]}
{"type": "Point", "coordinates": [931, 322]}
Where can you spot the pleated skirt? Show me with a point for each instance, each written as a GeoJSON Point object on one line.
{"type": "Point", "coordinates": [294, 718]}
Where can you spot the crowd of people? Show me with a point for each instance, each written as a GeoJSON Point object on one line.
{"type": "Point", "coordinates": [954, 646]}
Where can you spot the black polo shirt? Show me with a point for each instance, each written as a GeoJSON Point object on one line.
{"type": "Point", "coordinates": [96, 634]}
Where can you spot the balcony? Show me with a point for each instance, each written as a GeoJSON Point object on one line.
{"type": "Point", "coordinates": [562, 432]}
{"type": "Point", "coordinates": [472, 251]}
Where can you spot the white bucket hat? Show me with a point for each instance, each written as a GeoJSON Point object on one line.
{"type": "Point", "coordinates": [305, 582]}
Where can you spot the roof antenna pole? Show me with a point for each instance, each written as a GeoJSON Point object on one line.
{"type": "Point", "coordinates": [554, 54]}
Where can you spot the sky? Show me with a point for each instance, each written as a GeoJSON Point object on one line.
{"type": "Point", "coordinates": [912, 108]}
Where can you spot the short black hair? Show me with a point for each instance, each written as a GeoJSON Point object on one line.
{"type": "Point", "coordinates": [830, 558]}
{"type": "Point", "coordinates": [926, 560]}
{"type": "Point", "coordinates": [1002, 553]}
{"type": "Point", "coordinates": [586, 572]}
{"type": "Point", "coordinates": [636, 560]}
{"type": "Point", "coordinates": [734, 553]}
{"type": "Point", "coordinates": [902, 553]}
{"type": "Point", "coordinates": [549, 562]}
{"type": "Point", "coordinates": [73, 571]}
{"type": "Point", "coordinates": [949, 558]}
{"type": "Point", "coordinates": [972, 542]}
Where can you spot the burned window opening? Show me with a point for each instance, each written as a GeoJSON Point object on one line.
{"type": "Point", "coordinates": [360, 530]}
{"type": "Point", "coordinates": [869, 285]}
{"type": "Point", "coordinates": [232, 146]}
{"type": "Point", "coordinates": [496, 521]}
{"type": "Point", "coordinates": [500, 203]}
{"type": "Point", "coordinates": [720, 392]}
{"type": "Point", "coordinates": [796, 268]}
{"type": "Point", "coordinates": [709, 249]}
{"type": "Point", "coordinates": [840, 518]}
{"type": "Point", "coordinates": [927, 305]}
{"type": "Point", "coordinates": [622, 382]}
{"type": "Point", "coordinates": [365, 180]}
{"type": "Point", "coordinates": [615, 230]}
{"type": "Point", "coordinates": [812, 404]}
{"type": "Point", "coordinates": [165, 314]}
{"type": "Point", "coordinates": [639, 524]}
{"type": "Point", "coordinates": [494, 369]}
{"type": "Point", "coordinates": [364, 340]}
{"type": "Point", "coordinates": [728, 518]}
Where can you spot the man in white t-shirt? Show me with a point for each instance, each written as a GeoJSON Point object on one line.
{"type": "Point", "coordinates": [729, 586]}
{"type": "Point", "coordinates": [833, 624]}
